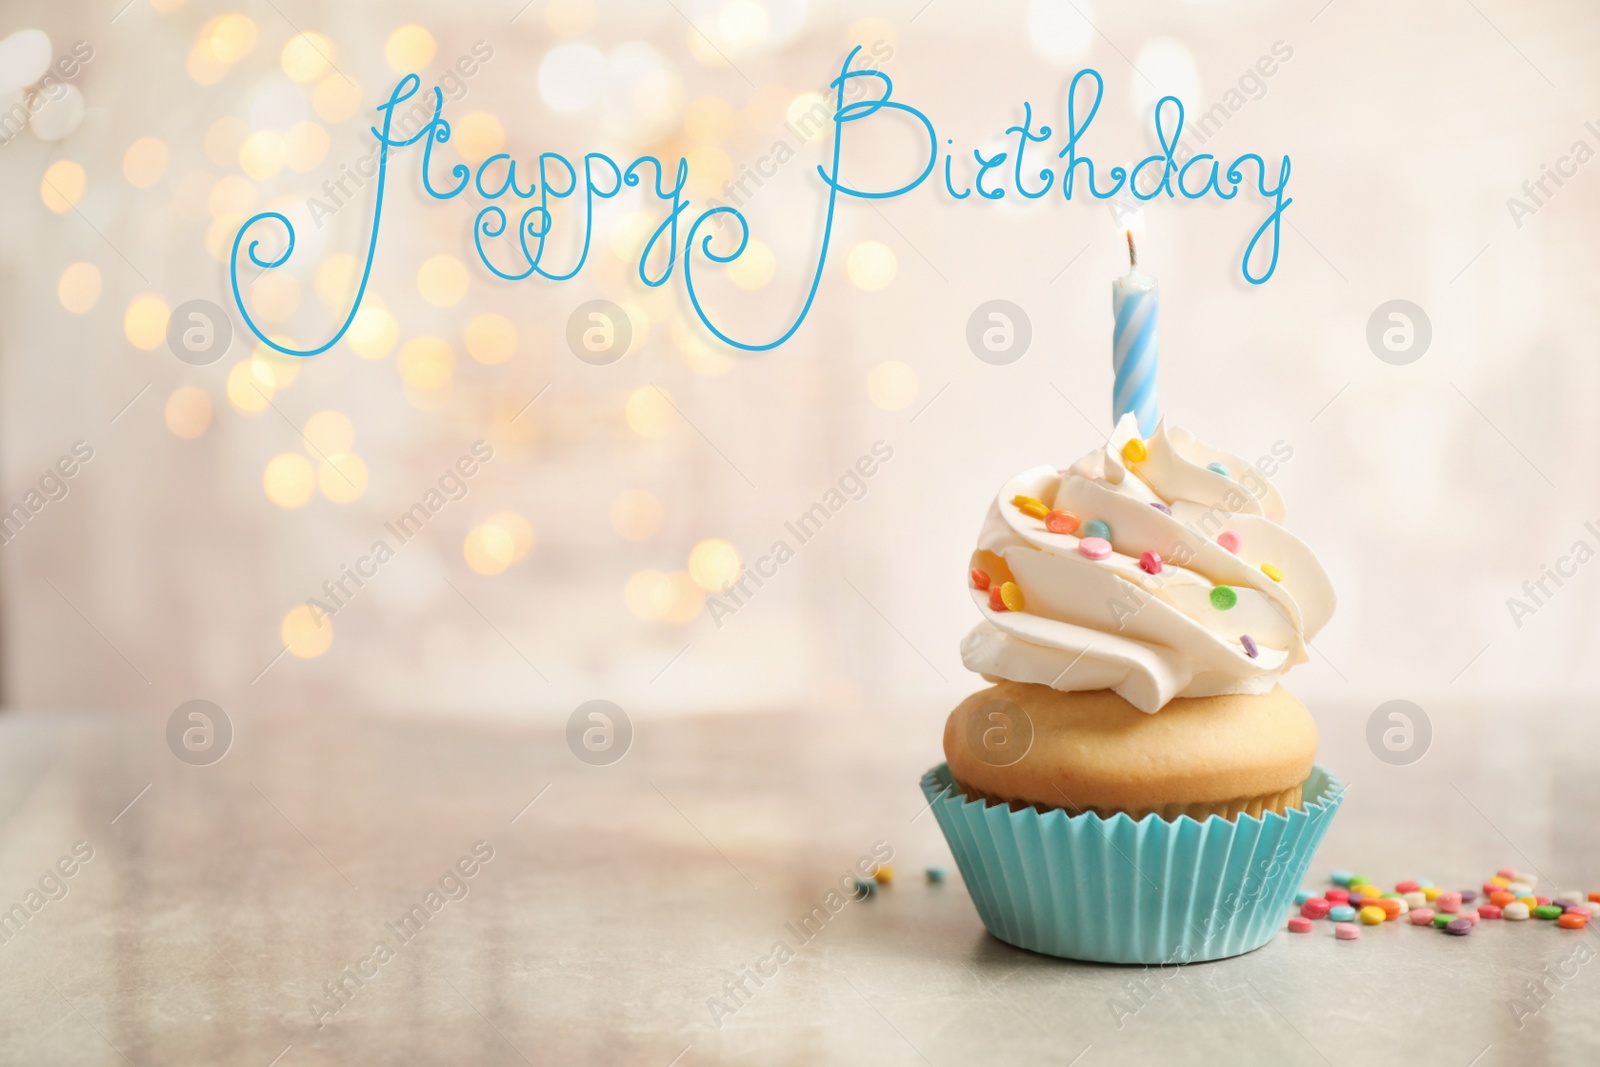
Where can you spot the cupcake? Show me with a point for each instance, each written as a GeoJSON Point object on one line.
{"type": "Point", "coordinates": [1136, 786]}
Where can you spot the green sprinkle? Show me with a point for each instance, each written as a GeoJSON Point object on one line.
{"type": "Point", "coordinates": [1222, 598]}
{"type": "Point", "coordinates": [1444, 919]}
{"type": "Point", "coordinates": [1547, 911]}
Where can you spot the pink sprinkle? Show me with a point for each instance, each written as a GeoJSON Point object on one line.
{"type": "Point", "coordinates": [1575, 910]}
{"type": "Point", "coordinates": [1228, 540]}
{"type": "Point", "coordinates": [1094, 548]}
{"type": "Point", "coordinates": [1542, 900]}
{"type": "Point", "coordinates": [1346, 931]}
{"type": "Point", "coordinates": [1420, 916]}
{"type": "Point", "coordinates": [1449, 903]}
{"type": "Point", "coordinates": [1508, 873]}
{"type": "Point", "coordinates": [1150, 562]}
{"type": "Point", "coordinates": [1406, 887]}
{"type": "Point", "coordinates": [1470, 916]}
{"type": "Point", "coordinates": [1299, 924]}
{"type": "Point", "coordinates": [1489, 911]}
{"type": "Point", "coordinates": [1337, 896]}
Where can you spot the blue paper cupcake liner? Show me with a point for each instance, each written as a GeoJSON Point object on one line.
{"type": "Point", "coordinates": [1116, 890]}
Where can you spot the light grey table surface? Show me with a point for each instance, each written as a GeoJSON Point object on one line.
{"type": "Point", "coordinates": [618, 905]}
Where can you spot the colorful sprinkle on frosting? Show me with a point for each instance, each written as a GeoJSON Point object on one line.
{"type": "Point", "coordinates": [1029, 506]}
{"type": "Point", "coordinates": [1061, 522]}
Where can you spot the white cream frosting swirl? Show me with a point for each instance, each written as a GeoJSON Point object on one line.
{"type": "Point", "coordinates": [1109, 624]}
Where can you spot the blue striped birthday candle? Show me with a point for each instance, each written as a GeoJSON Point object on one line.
{"type": "Point", "coordinates": [1133, 346]}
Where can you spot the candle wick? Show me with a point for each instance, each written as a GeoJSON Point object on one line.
{"type": "Point", "coordinates": [1133, 254]}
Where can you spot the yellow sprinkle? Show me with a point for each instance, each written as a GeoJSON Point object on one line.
{"type": "Point", "coordinates": [1135, 451]}
{"type": "Point", "coordinates": [1366, 889]}
{"type": "Point", "coordinates": [1011, 596]}
{"type": "Point", "coordinates": [1531, 902]}
{"type": "Point", "coordinates": [1497, 880]}
{"type": "Point", "coordinates": [1029, 506]}
{"type": "Point", "coordinates": [884, 875]}
{"type": "Point", "coordinates": [1430, 892]}
{"type": "Point", "coordinates": [1372, 915]}
{"type": "Point", "coordinates": [1272, 572]}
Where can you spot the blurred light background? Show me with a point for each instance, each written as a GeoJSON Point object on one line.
{"type": "Point", "coordinates": [619, 498]}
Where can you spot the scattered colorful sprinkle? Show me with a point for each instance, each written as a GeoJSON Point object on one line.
{"type": "Point", "coordinates": [1135, 451]}
{"type": "Point", "coordinates": [866, 887]}
{"type": "Point", "coordinates": [1094, 548]}
{"type": "Point", "coordinates": [1229, 540]}
{"type": "Point", "coordinates": [1218, 467]}
{"type": "Point", "coordinates": [1223, 597]}
{"type": "Point", "coordinates": [1249, 644]}
{"type": "Point", "coordinates": [1315, 908]}
{"type": "Point", "coordinates": [1150, 563]}
{"type": "Point", "coordinates": [1096, 528]}
{"type": "Point", "coordinates": [1361, 902]}
{"type": "Point", "coordinates": [980, 579]}
{"type": "Point", "coordinates": [1272, 572]}
{"type": "Point", "coordinates": [1159, 506]}
{"type": "Point", "coordinates": [1061, 522]}
{"type": "Point", "coordinates": [884, 875]}
{"type": "Point", "coordinates": [995, 603]}
{"type": "Point", "coordinates": [935, 874]}
{"type": "Point", "coordinates": [1011, 596]}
